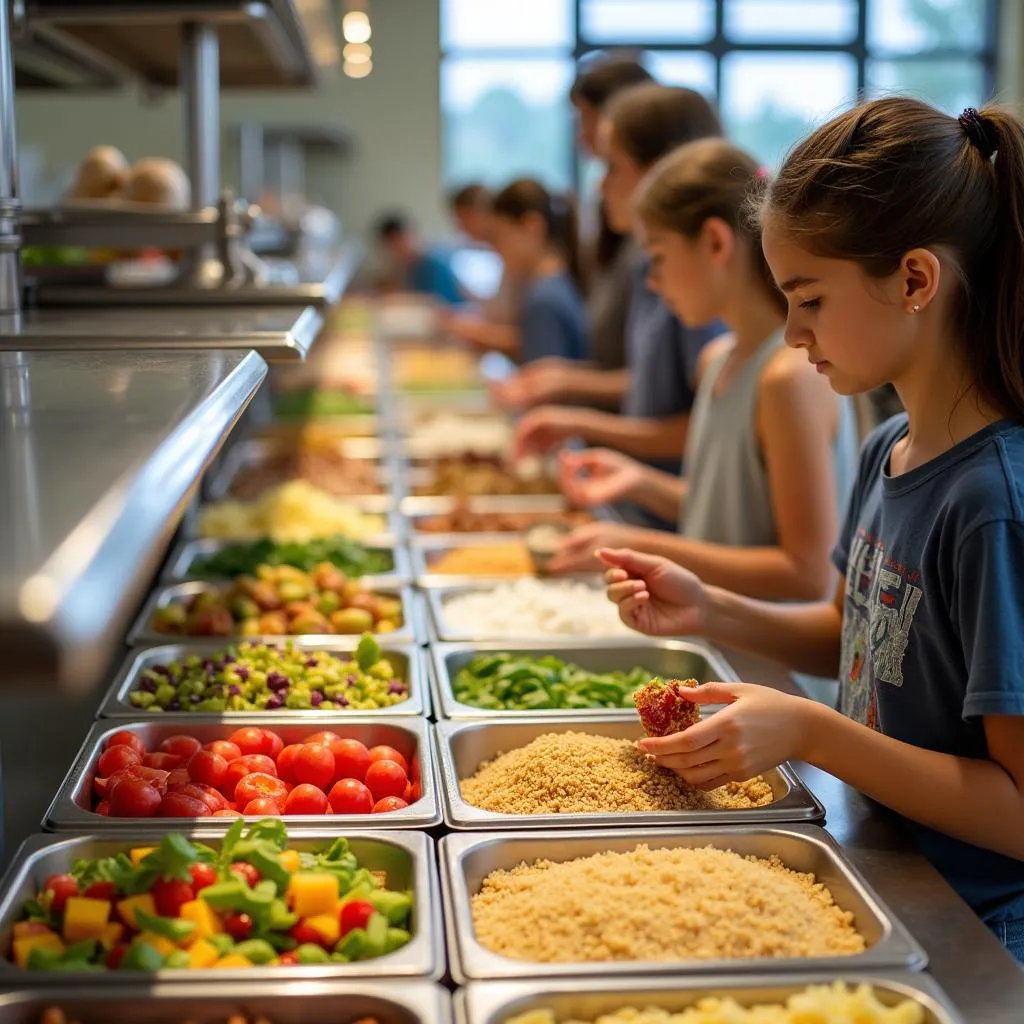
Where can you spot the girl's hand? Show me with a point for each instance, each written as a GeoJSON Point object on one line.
{"type": "Point", "coordinates": [578, 552]}
{"type": "Point", "coordinates": [654, 595]}
{"type": "Point", "coordinates": [544, 428]}
{"type": "Point", "coordinates": [757, 730]}
{"type": "Point", "coordinates": [598, 476]}
{"type": "Point", "coordinates": [540, 383]}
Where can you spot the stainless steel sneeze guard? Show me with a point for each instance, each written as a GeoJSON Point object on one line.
{"type": "Point", "coordinates": [407, 659]}
{"type": "Point", "coordinates": [670, 659]}
{"type": "Point", "coordinates": [495, 1002]}
{"type": "Point", "coordinates": [409, 736]}
{"type": "Point", "coordinates": [412, 1002]}
{"type": "Point", "coordinates": [463, 746]}
{"type": "Point", "coordinates": [407, 857]}
{"type": "Point", "coordinates": [391, 586]}
{"type": "Point", "coordinates": [466, 859]}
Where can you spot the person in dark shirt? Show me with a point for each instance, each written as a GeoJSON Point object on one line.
{"type": "Point", "coordinates": [417, 268]}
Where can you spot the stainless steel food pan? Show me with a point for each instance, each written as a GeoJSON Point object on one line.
{"type": "Point", "coordinates": [670, 659]}
{"type": "Point", "coordinates": [467, 859]}
{"type": "Point", "coordinates": [408, 661]}
{"type": "Point", "coordinates": [321, 1002]}
{"type": "Point", "coordinates": [71, 808]}
{"type": "Point", "coordinates": [142, 631]}
{"type": "Point", "coordinates": [406, 857]}
{"type": "Point", "coordinates": [463, 746]}
{"type": "Point", "coordinates": [187, 552]}
{"type": "Point", "coordinates": [426, 549]}
{"type": "Point", "coordinates": [495, 1002]}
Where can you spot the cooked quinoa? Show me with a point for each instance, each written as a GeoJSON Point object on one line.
{"type": "Point", "coordinates": [576, 772]}
{"type": "Point", "coordinates": [660, 904]}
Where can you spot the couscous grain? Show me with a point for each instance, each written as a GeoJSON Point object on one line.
{"type": "Point", "coordinates": [577, 773]}
{"type": "Point", "coordinates": [660, 905]}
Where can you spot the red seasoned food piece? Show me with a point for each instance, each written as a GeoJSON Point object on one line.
{"type": "Point", "coordinates": [662, 710]}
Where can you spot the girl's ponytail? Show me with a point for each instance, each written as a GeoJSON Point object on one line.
{"type": "Point", "coordinates": [565, 232]}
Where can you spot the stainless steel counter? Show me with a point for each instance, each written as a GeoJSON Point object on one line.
{"type": "Point", "coordinates": [99, 453]}
{"type": "Point", "coordinates": [981, 978]}
{"type": "Point", "coordinates": [278, 333]}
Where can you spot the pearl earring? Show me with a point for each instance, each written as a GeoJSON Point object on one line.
{"type": "Point", "coordinates": [916, 309]}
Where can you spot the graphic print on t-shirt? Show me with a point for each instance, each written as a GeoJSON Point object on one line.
{"type": "Point", "coordinates": [882, 596]}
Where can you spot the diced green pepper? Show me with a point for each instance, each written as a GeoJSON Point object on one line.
{"type": "Point", "coordinates": [353, 945]}
{"type": "Point", "coordinates": [141, 956]}
{"type": "Point", "coordinates": [223, 942]}
{"type": "Point", "coordinates": [310, 953]}
{"type": "Point", "coordinates": [395, 906]}
{"type": "Point", "coordinates": [178, 961]}
{"type": "Point", "coordinates": [376, 936]}
{"type": "Point", "coordinates": [397, 938]}
{"type": "Point", "coordinates": [174, 928]}
{"type": "Point", "coordinates": [259, 951]}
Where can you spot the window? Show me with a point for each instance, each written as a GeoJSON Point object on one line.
{"type": "Point", "coordinates": [777, 68]}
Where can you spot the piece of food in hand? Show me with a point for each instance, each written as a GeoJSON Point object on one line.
{"type": "Point", "coordinates": [663, 711]}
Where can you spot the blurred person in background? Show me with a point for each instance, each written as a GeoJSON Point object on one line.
{"type": "Point", "coordinates": [412, 266]}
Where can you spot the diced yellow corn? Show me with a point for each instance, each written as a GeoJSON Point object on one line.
{"type": "Point", "coordinates": [203, 916]}
{"type": "Point", "coordinates": [139, 853]}
{"type": "Point", "coordinates": [314, 893]}
{"type": "Point", "coordinates": [127, 907]}
{"type": "Point", "coordinates": [85, 918]}
{"type": "Point", "coordinates": [233, 960]}
{"type": "Point", "coordinates": [24, 946]}
{"type": "Point", "coordinates": [327, 926]}
{"type": "Point", "coordinates": [202, 954]}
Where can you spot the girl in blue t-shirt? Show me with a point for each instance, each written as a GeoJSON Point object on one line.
{"type": "Point", "coordinates": [534, 233]}
{"type": "Point", "coordinates": [897, 234]}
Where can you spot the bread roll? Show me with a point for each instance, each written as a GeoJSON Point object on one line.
{"type": "Point", "coordinates": [101, 175]}
{"type": "Point", "coordinates": [158, 181]}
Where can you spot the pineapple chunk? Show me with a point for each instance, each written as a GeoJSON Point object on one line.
{"type": "Point", "coordinates": [233, 960]}
{"type": "Point", "coordinates": [202, 954]}
{"type": "Point", "coordinates": [327, 926]}
{"type": "Point", "coordinates": [85, 918]}
{"type": "Point", "coordinates": [314, 893]}
{"type": "Point", "coordinates": [139, 853]}
{"type": "Point", "coordinates": [203, 916]}
{"type": "Point", "coordinates": [111, 934]}
{"type": "Point", "coordinates": [24, 946]}
{"type": "Point", "coordinates": [127, 907]}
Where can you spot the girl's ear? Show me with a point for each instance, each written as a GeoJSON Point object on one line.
{"type": "Point", "coordinates": [920, 275]}
{"type": "Point", "coordinates": [718, 240]}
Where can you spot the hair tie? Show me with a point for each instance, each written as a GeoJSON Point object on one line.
{"type": "Point", "coordinates": [980, 131]}
{"type": "Point", "coordinates": [763, 174]}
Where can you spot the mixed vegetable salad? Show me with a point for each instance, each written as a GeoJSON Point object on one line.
{"type": "Point", "coordinates": [349, 557]}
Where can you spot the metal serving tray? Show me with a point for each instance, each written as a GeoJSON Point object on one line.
{"type": "Point", "coordinates": [248, 453]}
{"type": "Point", "coordinates": [467, 859]}
{"type": "Point", "coordinates": [143, 633]}
{"type": "Point", "coordinates": [408, 660]}
{"type": "Point", "coordinates": [494, 1002]}
{"type": "Point", "coordinates": [407, 857]}
{"type": "Point", "coordinates": [463, 746]}
{"type": "Point", "coordinates": [422, 507]}
{"type": "Point", "coordinates": [70, 810]}
{"type": "Point", "coordinates": [670, 659]}
{"type": "Point", "coordinates": [321, 1002]}
{"type": "Point", "coordinates": [185, 554]}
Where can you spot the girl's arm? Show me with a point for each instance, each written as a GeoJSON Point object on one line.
{"type": "Point", "coordinates": [797, 422]}
{"type": "Point", "coordinates": [977, 800]}
{"type": "Point", "coordinates": [660, 493]}
{"type": "Point", "coordinates": [548, 381]}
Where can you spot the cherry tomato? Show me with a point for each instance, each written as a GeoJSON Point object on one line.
{"type": "Point", "coordinates": [202, 876]}
{"type": "Point", "coordinates": [383, 753]}
{"type": "Point", "coordinates": [228, 750]}
{"type": "Point", "coordinates": [155, 778]}
{"type": "Point", "coordinates": [355, 914]}
{"type": "Point", "coordinates": [350, 796]}
{"type": "Point", "coordinates": [208, 768]}
{"type": "Point", "coordinates": [181, 805]}
{"type": "Point", "coordinates": [207, 794]}
{"type": "Point", "coordinates": [263, 807]}
{"type": "Point", "coordinates": [128, 739]}
{"type": "Point", "coordinates": [133, 798]}
{"type": "Point", "coordinates": [389, 803]}
{"type": "Point", "coordinates": [103, 807]}
{"type": "Point", "coordinates": [170, 895]}
{"type": "Point", "coordinates": [182, 746]}
{"type": "Point", "coordinates": [63, 888]}
{"type": "Point", "coordinates": [115, 956]}
{"type": "Point", "coordinates": [288, 959]}
{"type": "Point", "coordinates": [178, 778]}
{"type": "Point", "coordinates": [238, 926]}
{"type": "Point", "coordinates": [246, 871]}
{"type": "Point", "coordinates": [165, 762]}
{"type": "Point", "coordinates": [286, 762]}
{"type": "Point", "coordinates": [245, 765]}
{"type": "Point", "coordinates": [113, 759]}
{"type": "Point", "coordinates": [303, 933]}
{"type": "Point", "coordinates": [351, 759]}
{"type": "Point", "coordinates": [272, 743]}
{"type": "Point", "coordinates": [228, 812]}
{"type": "Point", "coordinates": [306, 799]}
{"type": "Point", "coordinates": [385, 778]}
{"type": "Point", "coordinates": [325, 738]}
{"type": "Point", "coordinates": [100, 891]}
{"type": "Point", "coordinates": [260, 786]}
{"type": "Point", "coordinates": [249, 740]}
{"type": "Point", "coordinates": [314, 764]}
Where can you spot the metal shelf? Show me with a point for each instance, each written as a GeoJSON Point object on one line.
{"type": "Point", "coordinates": [99, 454]}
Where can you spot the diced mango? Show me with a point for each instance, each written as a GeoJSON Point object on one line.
{"type": "Point", "coordinates": [290, 861]}
{"type": "Point", "coordinates": [127, 907]}
{"type": "Point", "coordinates": [162, 945]}
{"type": "Point", "coordinates": [202, 954]}
{"type": "Point", "coordinates": [85, 918]}
{"type": "Point", "coordinates": [314, 893]}
{"type": "Point", "coordinates": [24, 946]}
{"type": "Point", "coordinates": [233, 960]}
{"type": "Point", "coordinates": [203, 916]}
{"type": "Point", "coordinates": [111, 934]}
{"type": "Point", "coordinates": [139, 853]}
{"type": "Point", "coordinates": [25, 928]}
{"type": "Point", "coordinates": [327, 926]}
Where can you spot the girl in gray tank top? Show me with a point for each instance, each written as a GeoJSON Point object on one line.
{"type": "Point", "coordinates": [771, 450]}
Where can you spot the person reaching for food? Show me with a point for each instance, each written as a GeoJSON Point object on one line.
{"type": "Point", "coordinates": [897, 234]}
{"type": "Point", "coordinates": [771, 449]}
